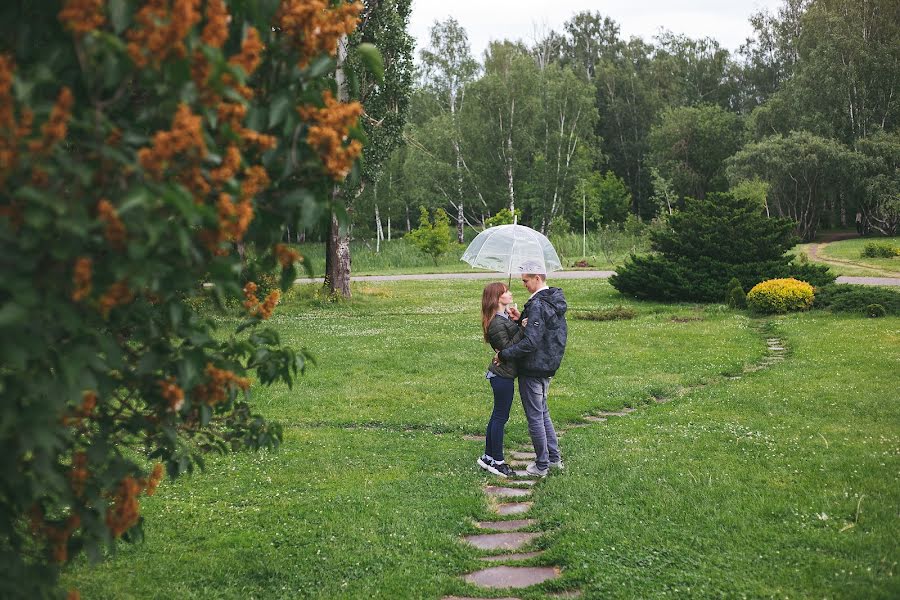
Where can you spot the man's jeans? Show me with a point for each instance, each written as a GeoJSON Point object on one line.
{"type": "Point", "coordinates": [533, 391]}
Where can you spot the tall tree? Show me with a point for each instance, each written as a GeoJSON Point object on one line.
{"type": "Point", "coordinates": [689, 146]}
{"type": "Point", "coordinates": [385, 99]}
{"type": "Point", "coordinates": [447, 67]}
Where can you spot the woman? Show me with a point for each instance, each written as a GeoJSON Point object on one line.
{"type": "Point", "coordinates": [500, 331]}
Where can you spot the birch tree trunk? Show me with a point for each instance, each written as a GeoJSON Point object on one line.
{"type": "Point", "coordinates": [337, 247]}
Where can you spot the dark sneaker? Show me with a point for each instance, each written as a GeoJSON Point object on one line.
{"type": "Point", "coordinates": [504, 469]}
{"type": "Point", "coordinates": [489, 465]}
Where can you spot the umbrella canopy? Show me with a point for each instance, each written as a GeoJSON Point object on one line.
{"type": "Point", "coordinates": [512, 249]}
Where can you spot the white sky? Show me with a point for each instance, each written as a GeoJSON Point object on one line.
{"type": "Point", "coordinates": [486, 20]}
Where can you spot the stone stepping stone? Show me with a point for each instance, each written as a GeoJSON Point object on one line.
{"type": "Point", "coordinates": [523, 473]}
{"type": "Point", "coordinates": [511, 557]}
{"type": "Point", "coordinates": [513, 508]}
{"type": "Point", "coordinates": [734, 377]}
{"type": "Point", "coordinates": [776, 349]}
{"type": "Point", "coordinates": [473, 438]}
{"type": "Point", "coordinates": [505, 525]}
{"type": "Point", "coordinates": [528, 482]}
{"type": "Point", "coordinates": [506, 492]}
{"type": "Point", "coordinates": [594, 419]}
{"type": "Point", "coordinates": [518, 463]}
{"type": "Point", "coordinates": [500, 541]}
{"type": "Point", "coordinates": [615, 413]}
{"type": "Point", "coordinates": [523, 455]}
{"type": "Point", "coordinates": [468, 598]}
{"type": "Point", "coordinates": [661, 399]}
{"type": "Point", "coordinates": [511, 577]}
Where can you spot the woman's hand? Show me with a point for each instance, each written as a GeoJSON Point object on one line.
{"type": "Point", "coordinates": [513, 312]}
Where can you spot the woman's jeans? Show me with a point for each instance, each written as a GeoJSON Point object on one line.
{"type": "Point", "coordinates": [503, 396]}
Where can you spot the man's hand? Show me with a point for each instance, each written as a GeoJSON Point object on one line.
{"type": "Point", "coordinates": [496, 360]}
{"type": "Point", "coordinates": [513, 312]}
{"type": "Point", "coordinates": [524, 322]}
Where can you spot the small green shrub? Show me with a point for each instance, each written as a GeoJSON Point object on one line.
{"type": "Point", "coordinates": [875, 311]}
{"type": "Point", "coordinates": [503, 217]}
{"type": "Point", "coordinates": [737, 297]}
{"type": "Point", "coordinates": [856, 299]}
{"type": "Point", "coordinates": [432, 237]}
{"type": "Point", "coordinates": [619, 313]}
{"type": "Point", "coordinates": [780, 296]}
{"type": "Point", "coordinates": [880, 250]}
{"type": "Point", "coordinates": [559, 226]}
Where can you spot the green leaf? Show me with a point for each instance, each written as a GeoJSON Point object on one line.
{"type": "Point", "coordinates": [278, 109]}
{"type": "Point", "coordinates": [373, 60]}
{"type": "Point", "coordinates": [319, 67]}
{"type": "Point", "coordinates": [119, 14]}
{"type": "Point", "coordinates": [11, 313]}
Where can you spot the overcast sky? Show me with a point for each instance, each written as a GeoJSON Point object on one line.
{"type": "Point", "coordinates": [486, 20]}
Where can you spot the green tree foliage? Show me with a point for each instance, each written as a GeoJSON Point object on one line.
{"type": "Point", "coordinates": [690, 145]}
{"type": "Point", "coordinates": [708, 243]}
{"type": "Point", "coordinates": [503, 217]}
{"type": "Point", "coordinates": [432, 237]}
{"type": "Point", "coordinates": [140, 147]}
{"type": "Point", "coordinates": [607, 198]}
{"type": "Point", "coordinates": [802, 170]}
{"type": "Point", "coordinates": [878, 181]}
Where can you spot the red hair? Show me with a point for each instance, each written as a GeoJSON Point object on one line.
{"type": "Point", "coordinates": [490, 298]}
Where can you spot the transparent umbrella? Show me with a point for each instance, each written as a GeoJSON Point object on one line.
{"type": "Point", "coordinates": [512, 249]}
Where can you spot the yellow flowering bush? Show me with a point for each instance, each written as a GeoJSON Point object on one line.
{"type": "Point", "coordinates": [780, 296]}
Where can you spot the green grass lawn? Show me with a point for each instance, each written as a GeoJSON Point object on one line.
{"type": "Point", "coordinates": [783, 483]}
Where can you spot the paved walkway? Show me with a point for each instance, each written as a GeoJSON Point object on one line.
{"type": "Point", "coordinates": [560, 275]}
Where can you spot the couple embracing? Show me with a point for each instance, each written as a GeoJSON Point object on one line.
{"type": "Point", "coordinates": [529, 346]}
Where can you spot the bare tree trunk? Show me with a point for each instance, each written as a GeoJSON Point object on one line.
{"type": "Point", "coordinates": [379, 232]}
{"type": "Point", "coordinates": [389, 227]}
{"type": "Point", "coordinates": [337, 260]}
{"type": "Point", "coordinates": [408, 225]}
{"type": "Point", "coordinates": [459, 194]}
{"type": "Point", "coordinates": [337, 248]}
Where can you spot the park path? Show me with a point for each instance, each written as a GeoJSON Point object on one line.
{"type": "Point", "coordinates": [815, 249]}
{"type": "Point", "coordinates": [560, 275]}
{"type": "Point", "coordinates": [508, 544]}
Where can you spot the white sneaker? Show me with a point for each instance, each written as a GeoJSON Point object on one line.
{"type": "Point", "coordinates": [558, 465]}
{"type": "Point", "coordinates": [532, 469]}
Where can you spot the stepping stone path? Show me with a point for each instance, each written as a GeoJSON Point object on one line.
{"type": "Point", "coordinates": [509, 534]}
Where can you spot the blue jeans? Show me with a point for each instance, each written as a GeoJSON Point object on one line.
{"type": "Point", "coordinates": [533, 391]}
{"type": "Point", "coordinates": [504, 389]}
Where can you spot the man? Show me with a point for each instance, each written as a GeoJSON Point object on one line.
{"type": "Point", "coordinates": [538, 356]}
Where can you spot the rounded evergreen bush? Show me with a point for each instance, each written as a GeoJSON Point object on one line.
{"type": "Point", "coordinates": [780, 296]}
{"type": "Point", "coordinates": [875, 311]}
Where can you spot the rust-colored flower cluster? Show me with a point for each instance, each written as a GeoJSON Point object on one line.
{"type": "Point", "coordinates": [82, 276]}
{"type": "Point", "coordinates": [82, 16]}
{"type": "Point", "coordinates": [78, 475]}
{"type": "Point", "coordinates": [171, 393]}
{"type": "Point", "coordinates": [184, 139]}
{"type": "Point", "coordinates": [286, 255]}
{"type": "Point", "coordinates": [57, 536]}
{"type": "Point", "coordinates": [124, 510]}
{"type": "Point", "coordinates": [115, 295]}
{"type": "Point", "coordinates": [11, 132]}
{"type": "Point", "coordinates": [160, 30]}
{"type": "Point", "coordinates": [314, 26]}
{"type": "Point", "coordinates": [251, 52]}
{"type": "Point", "coordinates": [88, 404]}
{"type": "Point", "coordinates": [114, 229]}
{"type": "Point", "coordinates": [328, 133]}
{"type": "Point", "coordinates": [234, 219]}
{"type": "Point", "coordinates": [229, 167]}
{"type": "Point", "coordinates": [262, 309]}
{"type": "Point", "coordinates": [56, 127]}
{"type": "Point", "coordinates": [152, 482]}
{"type": "Point", "coordinates": [215, 32]}
{"type": "Point", "coordinates": [216, 390]}
{"type": "Point", "coordinates": [255, 180]}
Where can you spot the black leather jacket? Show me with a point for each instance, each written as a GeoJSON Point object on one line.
{"type": "Point", "coordinates": [502, 333]}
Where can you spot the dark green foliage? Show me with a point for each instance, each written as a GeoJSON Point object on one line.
{"type": "Point", "coordinates": [737, 297]}
{"type": "Point", "coordinates": [857, 299]}
{"type": "Point", "coordinates": [619, 313]}
{"type": "Point", "coordinates": [707, 244]}
{"type": "Point", "coordinates": [880, 250]}
{"type": "Point", "coordinates": [432, 238]}
{"type": "Point", "coordinates": [875, 310]}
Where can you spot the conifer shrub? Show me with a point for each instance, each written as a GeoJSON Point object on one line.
{"type": "Point", "coordinates": [707, 244]}
{"type": "Point", "coordinates": [856, 299]}
{"type": "Point", "coordinates": [780, 296]}
{"type": "Point", "coordinates": [875, 311]}
{"type": "Point", "coordinates": [736, 298]}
